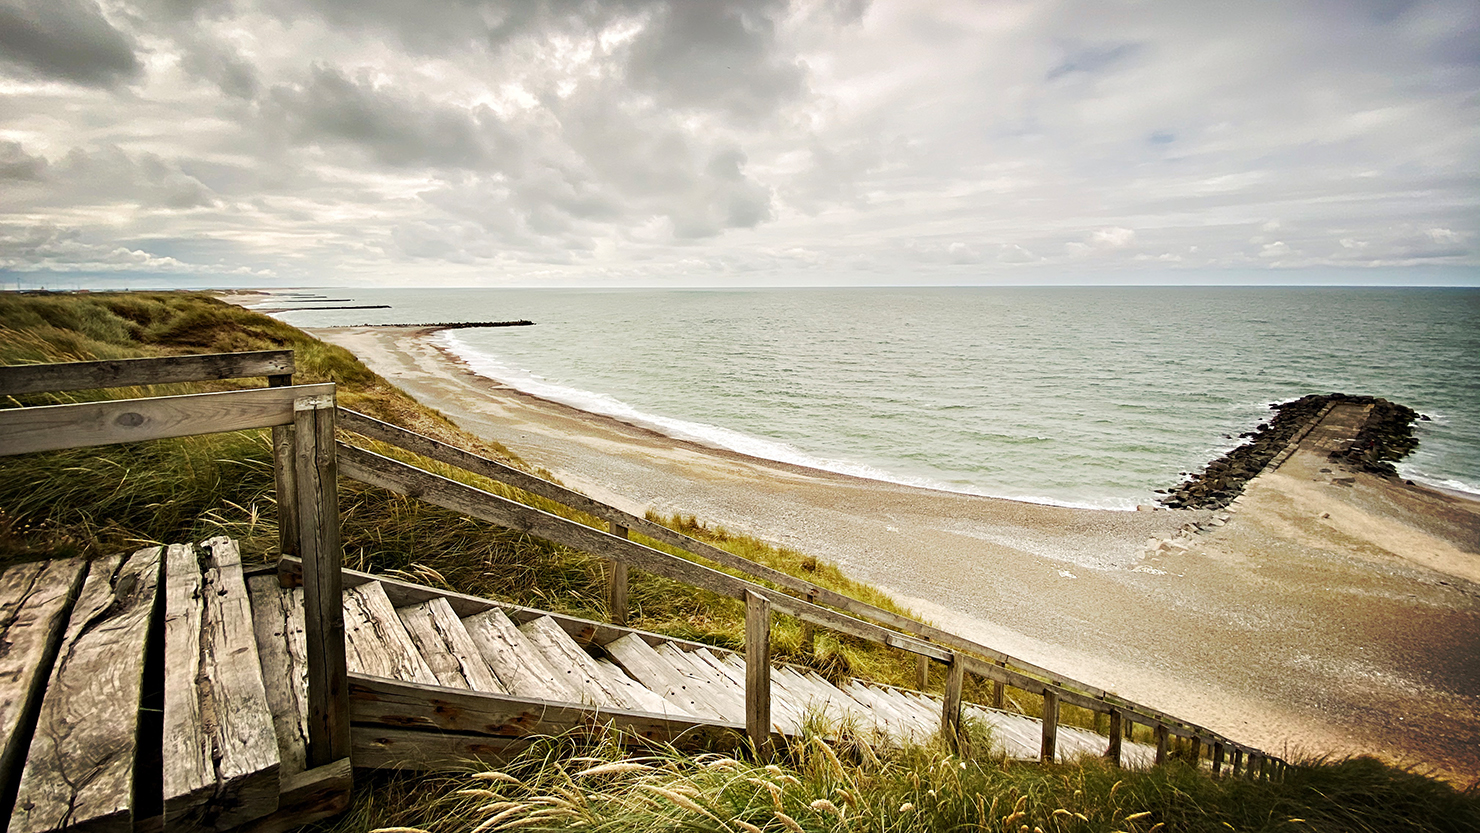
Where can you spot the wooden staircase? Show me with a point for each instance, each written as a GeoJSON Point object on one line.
{"type": "Point", "coordinates": [437, 678]}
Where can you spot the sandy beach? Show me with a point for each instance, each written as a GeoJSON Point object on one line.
{"type": "Point", "coordinates": [1327, 611]}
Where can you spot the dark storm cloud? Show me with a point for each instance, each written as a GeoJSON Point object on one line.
{"type": "Point", "coordinates": [329, 107]}
{"type": "Point", "coordinates": [67, 40]}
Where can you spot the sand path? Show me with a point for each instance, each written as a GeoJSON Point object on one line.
{"type": "Point", "coordinates": [1331, 612]}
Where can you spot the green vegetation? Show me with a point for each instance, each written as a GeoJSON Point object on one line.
{"type": "Point", "coordinates": [97, 500]}
{"type": "Point", "coordinates": [821, 786]}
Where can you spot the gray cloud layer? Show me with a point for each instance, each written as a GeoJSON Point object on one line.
{"type": "Point", "coordinates": [690, 141]}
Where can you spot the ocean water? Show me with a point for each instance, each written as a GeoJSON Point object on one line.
{"type": "Point", "coordinates": [1066, 395]}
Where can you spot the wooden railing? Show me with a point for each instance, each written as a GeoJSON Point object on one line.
{"type": "Point", "coordinates": [308, 461]}
{"type": "Point", "coordinates": [302, 421]}
{"type": "Point", "coordinates": [818, 606]}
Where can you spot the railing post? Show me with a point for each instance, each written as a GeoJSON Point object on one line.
{"type": "Point", "coordinates": [616, 583]}
{"type": "Point", "coordinates": [1113, 751]}
{"type": "Point", "coordinates": [1050, 744]}
{"type": "Point", "coordinates": [999, 695]}
{"type": "Point", "coordinates": [1196, 751]}
{"type": "Point", "coordinates": [758, 673]}
{"type": "Point", "coordinates": [922, 672]}
{"type": "Point", "coordinates": [1255, 762]}
{"type": "Point", "coordinates": [1217, 758]}
{"type": "Point", "coordinates": [950, 713]}
{"type": "Point", "coordinates": [1238, 762]}
{"type": "Point", "coordinates": [323, 608]}
{"type": "Point", "coordinates": [285, 478]}
{"type": "Point", "coordinates": [1163, 738]}
{"type": "Point", "coordinates": [808, 646]}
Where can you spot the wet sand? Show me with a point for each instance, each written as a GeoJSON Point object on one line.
{"type": "Point", "coordinates": [1328, 611]}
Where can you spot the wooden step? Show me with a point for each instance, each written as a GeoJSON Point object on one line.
{"type": "Point", "coordinates": [448, 648]}
{"type": "Point", "coordinates": [520, 667]}
{"type": "Point", "coordinates": [89, 717]}
{"type": "Point", "coordinates": [282, 650]}
{"type": "Point", "coordinates": [376, 644]}
{"type": "Point", "coordinates": [649, 700]}
{"type": "Point", "coordinates": [220, 749]}
{"type": "Point", "coordinates": [577, 666]}
{"type": "Point", "coordinates": [655, 673]}
{"type": "Point", "coordinates": [34, 601]}
{"type": "Point", "coordinates": [716, 690]}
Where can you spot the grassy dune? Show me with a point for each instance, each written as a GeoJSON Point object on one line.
{"type": "Point", "coordinates": [98, 500]}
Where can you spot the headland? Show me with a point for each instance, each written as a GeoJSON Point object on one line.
{"type": "Point", "coordinates": [1327, 608]}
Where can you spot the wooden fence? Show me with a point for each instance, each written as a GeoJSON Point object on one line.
{"type": "Point", "coordinates": [308, 461]}
{"type": "Point", "coordinates": [817, 606]}
{"type": "Point", "coordinates": [302, 421]}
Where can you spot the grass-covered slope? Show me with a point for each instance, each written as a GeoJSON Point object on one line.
{"type": "Point", "coordinates": [92, 500]}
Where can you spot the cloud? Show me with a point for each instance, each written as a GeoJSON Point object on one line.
{"type": "Point", "coordinates": [766, 140]}
{"type": "Point", "coordinates": [67, 40]}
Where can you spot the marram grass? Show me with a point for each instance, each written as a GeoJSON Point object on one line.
{"type": "Point", "coordinates": [818, 785]}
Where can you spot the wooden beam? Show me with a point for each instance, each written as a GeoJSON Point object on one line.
{"type": "Point", "coordinates": [1217, 759]}
{"type": "Point", "coordinates": [950, 713]}
{"type": "Point", "coordinates": [1163, 742]}
{"type": "Point", "coordinates": [285, 481]}
{"type": "Point", "coordinates": [758, 673]}
{"type": "Point", "coordinates": [922, 672]}
{"type": "Point", "coordinates": [1049, 747]}
{"type": "Point", "coordinates": [52, 427]}
{"type": "Point", "coordinates": [1117, 738]}
{"type": "Point", "coordinates": [323, 613]}
{"type": "Point", "coordinates": [119, 373]}
{"type": "Point", "coordinates": [616, 584]}
{"type": "Point", "coordinates": [376, 700]}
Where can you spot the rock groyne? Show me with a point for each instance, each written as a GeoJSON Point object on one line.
{"type": "Point", "coordinates": [1386, 438]}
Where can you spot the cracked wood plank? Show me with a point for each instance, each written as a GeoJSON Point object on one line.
{"type": "Point", "coordinates": [33, 618]}
{"type": "Point", "coordinates": [79, 773]}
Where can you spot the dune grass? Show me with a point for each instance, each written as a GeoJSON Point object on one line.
{"type": "Point", "coordinates": [820, 785]}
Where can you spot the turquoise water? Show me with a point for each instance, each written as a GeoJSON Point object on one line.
{"type": "Point", "coordinates": [1067, 395]}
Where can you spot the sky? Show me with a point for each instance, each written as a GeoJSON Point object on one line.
{"type": "Point", "coordinates": [759, 142]}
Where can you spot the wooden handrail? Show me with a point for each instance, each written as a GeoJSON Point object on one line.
{"type": "Point", "coordinates": [120, 373]}
{"type": "Point", "coordinates": [997, 666]}
{"type": "Point", "coordinates": [85, 424]}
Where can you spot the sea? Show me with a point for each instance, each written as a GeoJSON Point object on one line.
{"type": "Point", "coordinates": [1074, 396]}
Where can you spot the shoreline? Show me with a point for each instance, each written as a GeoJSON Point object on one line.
{"type": "Point", "coordinates": [1278, 625]}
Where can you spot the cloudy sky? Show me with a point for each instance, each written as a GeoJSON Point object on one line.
{"type": "Point", "coordinates": [690, 142]}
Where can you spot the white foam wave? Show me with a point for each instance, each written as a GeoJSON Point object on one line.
{"type": "Point", "coordinates": [715, 436]}
{"type": "Point", "coordinates": [1449, 483]}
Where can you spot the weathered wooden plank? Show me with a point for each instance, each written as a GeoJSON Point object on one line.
{"type": "Point", "coordinates": [34, 602]}
{"type": "Point", "coordinates": [950, 715]}
{"type": "Point", "coordinates": [315, 479]}
{"type": "Point", "coordinates": [1163, 738]}
{"type": "Point", "coordinates": [277, 618]}
{"type": "Point", "coordinates": [645, 665]}
{"type": "Point", "coordinates": [408, 750]}
{"type": "Point", "coordinates": [616, 584]}
{"type": "Point", "coordinates": [189, 775]}
{"type": "Point", "coordinates": [121, 373]}
{"type": "Point", "coordinates": [519, 665]}
{"type": "Point", "coordinates": [307, 797]}
{"type": "Point", "coordinates": [713, 689]}
{"type": "Point", "coordinates": [1049, 750]}
{"type": "Point", "coordinates": [233, 697]}
{"type": "Point", "coordinates": [579, 668]}
{"type": "Point", "coordinates": [1117, 738]}
{"type": "Point", "coordinates": [758, 673]}
{"type": "Point", "coordinates": [440, 709]}
{"type": "Point", "coordinates": [376, 643]}
{"type": "Point", "coordinates": [446, 646]}
{"type": "Point", "coordinates": [79, 772]}
{"type": "Point", "coordinates": [50, 427]}
{"type": "Point", "coordinates": [647, 700]}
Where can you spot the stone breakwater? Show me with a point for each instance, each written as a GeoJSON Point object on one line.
{"type": "Point", "coordinates": [1386, 438]}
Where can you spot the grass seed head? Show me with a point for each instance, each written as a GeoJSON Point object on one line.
{"type": "Point", "coordinates": [789, 822]}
